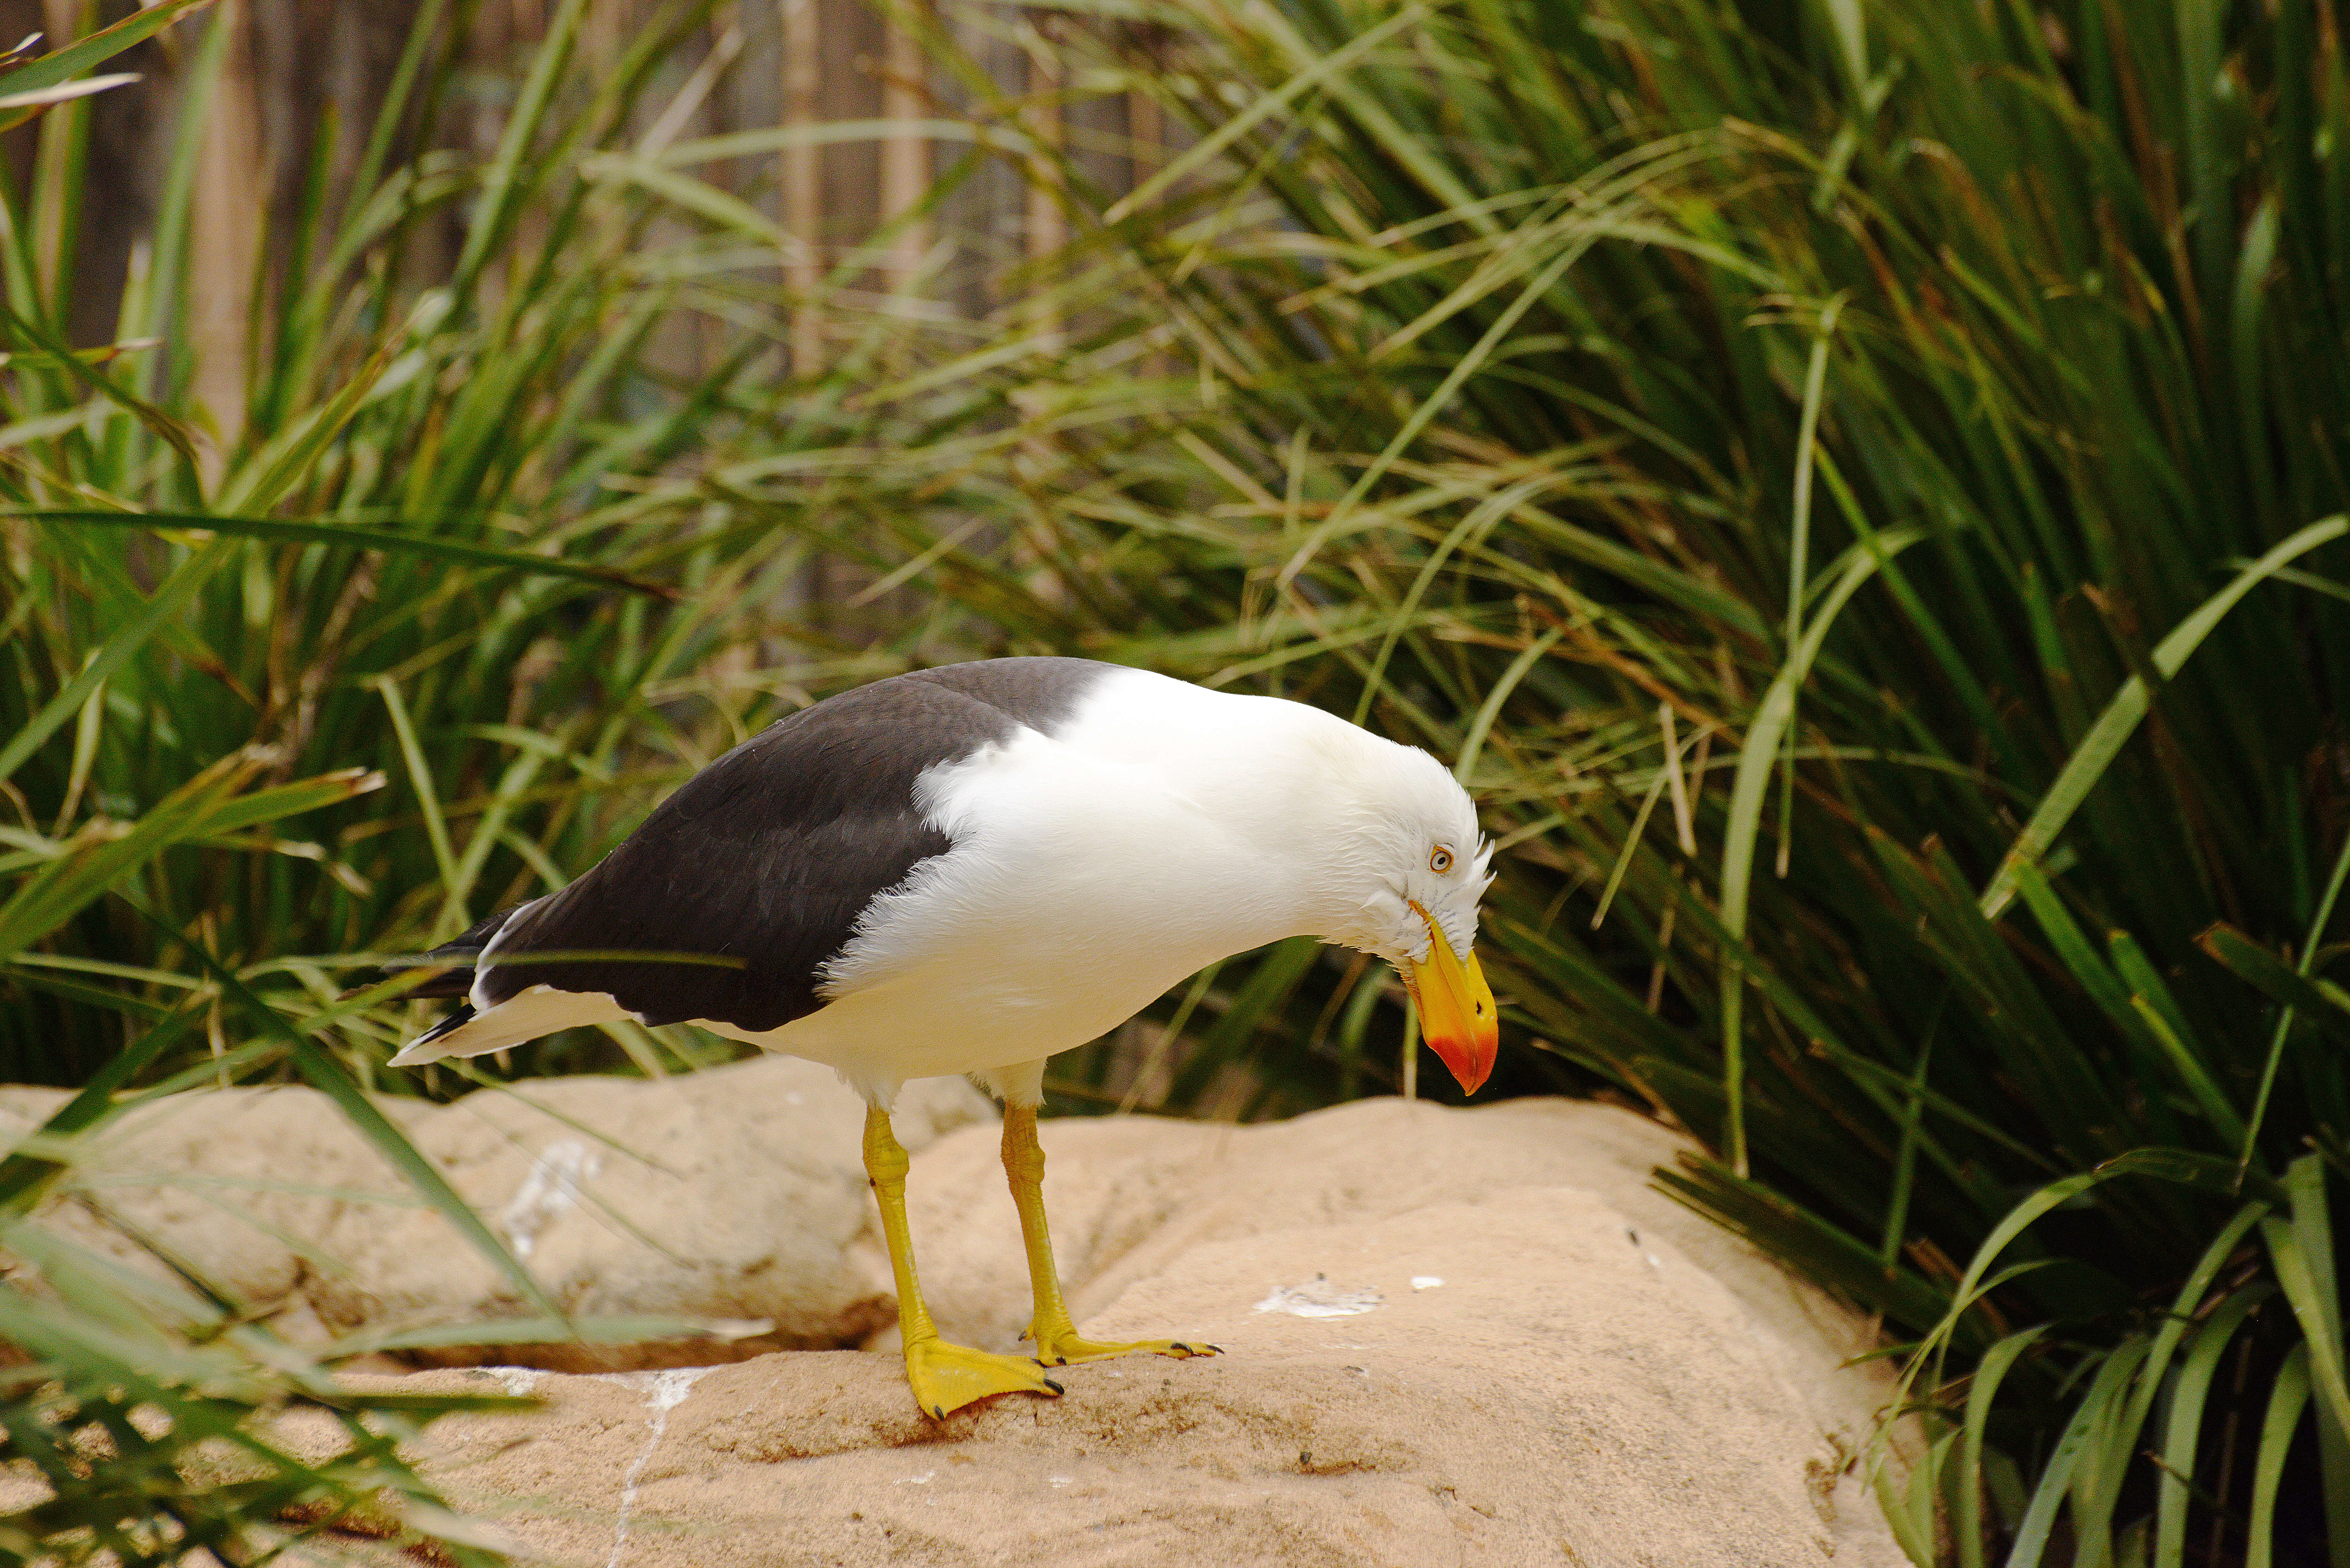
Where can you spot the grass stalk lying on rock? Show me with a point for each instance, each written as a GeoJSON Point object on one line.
{"type": "Point", "coordinates": [141, 1419]}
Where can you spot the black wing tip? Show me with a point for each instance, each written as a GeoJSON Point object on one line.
{"type": "Point", "coordinates": [455, 1021]}
{"type": "Point", "coordinates": [454, 959]}
{"type": "Point", "coordinates": [448, 984]}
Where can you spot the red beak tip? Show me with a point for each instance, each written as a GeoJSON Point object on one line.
{"type": "Point", "coordinates": [1470, 1065]}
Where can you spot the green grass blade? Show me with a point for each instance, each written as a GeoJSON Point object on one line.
{"type": "Point", "coordinates": [427, 801]}
{"type": "Point", "coordinates": [2040, 1515]}
{"type": "Point", "coordinates": [508, 181]}
{"type": "Point", "coordinates": [207, 806]}
{"type": "Point", "coordinates": [2288, 1396]}
{"type": "Point", "coordinates": [27, 328]}
{"type": "Point", "coordinates": [1755, 758]}
{"type": "Point", "coordinates": [294, 531]}
{"type": "Point", "coordinates": [1323, 70]}
{"type": "Point", "coordinates": [1483, 724]}
{"type": "Point", "coordinates": [2290, 987]}
{"type": "Point", "coordinates": [2301, 1246]}
{"type": "Point", "coordinates": [2114, 727]}
{"type": "Point", "coordinates": [1989, 1372]}
{"type": "Point", "coordinates": [2187, 1063]}
{"type": "Point", "coordinates": [2183, 1434]}
{"type": "Point", "coordinates": [2094, 1508]}
{"type": "Point", "coordinates": [63, 65]}
{"type": "Point", "coordinates": [324, 1074]}
{"type": "Point", "coordinates": [2285, 1022]}
{"type": "Point", "coordinates": [170, 601]}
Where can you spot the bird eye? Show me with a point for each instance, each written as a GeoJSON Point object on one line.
{"type": "Point", "coordinates": [1439, 860]}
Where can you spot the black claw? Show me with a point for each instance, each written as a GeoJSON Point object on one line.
{"type": "Point", "coordinates": [1053, 1385]}
{"type": "Point", "coordinates": [940, 1411]}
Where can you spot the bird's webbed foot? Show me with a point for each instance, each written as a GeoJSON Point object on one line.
{"type": "Point", "coordinates": [946, 1377]}
{"type": "Point", "coordinates": [1059, 1345]}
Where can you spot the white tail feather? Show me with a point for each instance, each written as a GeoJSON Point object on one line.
{"type": "Point", "coordinates": [527, 1015]}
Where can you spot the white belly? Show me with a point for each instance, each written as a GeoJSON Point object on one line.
{"type": "Point", "coordinates": [937, 1023]}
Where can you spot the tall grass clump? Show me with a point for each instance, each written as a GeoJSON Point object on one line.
{"type": "Point", "coordinates": [401, 638]}
{"type": "Point", "coordinates": [395, 641]}
{"type": "Point", "coordinates": [147, 1418]}
{"type": "Point", "coordinates": [1859, 490]}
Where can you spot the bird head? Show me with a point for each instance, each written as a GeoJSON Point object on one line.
{"type": "Point", "coordinates": [1417, 865]}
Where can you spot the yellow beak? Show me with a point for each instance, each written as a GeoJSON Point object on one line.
{"type": "Point", "coordinates": [1456, 1008]}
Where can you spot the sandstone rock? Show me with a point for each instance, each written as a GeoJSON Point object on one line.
{"type": "Point", "coordinates": [1452, 1337]}
{"type": "Point", "coordinates": [736, 1195]}
{"type": "Point", "coordinates": [248, 1185]}
{"type": "Point", "coordinates": [1476, 1337]}
{"type": "Point", "coordinates": [1128, 1196]}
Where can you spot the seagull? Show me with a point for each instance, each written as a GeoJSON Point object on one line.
{"type": "Point", "coordinates": [968, 869]}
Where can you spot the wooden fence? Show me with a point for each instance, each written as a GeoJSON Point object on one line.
{"type": "Point", "coordinates": [758, 63]}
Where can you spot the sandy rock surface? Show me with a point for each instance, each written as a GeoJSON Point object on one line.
{"type": "Point", "coordinates": [1474, 1337]}
{"type": "Point", "coordinates": [1128, 1196]}
{"type": "Point", "coordinates": [1513, 1352]}
{"type": "Point", "coordinates": [735, 1195]}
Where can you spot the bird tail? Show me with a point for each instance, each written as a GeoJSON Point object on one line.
{"type": "Point", "coordinates": [525, 1015]}
{"type": "Point", "coordinates": [455, 961]}
{"type": "Point", "coordinates": [471, 1031]}
{"type": "Point", "coordinates": [417, 1050]}
{"type": "Point", "coordinates": [452, 960]}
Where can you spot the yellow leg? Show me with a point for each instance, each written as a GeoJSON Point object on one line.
{"type": "Point", "coordinates": [944, 1376]}
{"type": "Point", "coordinates": [1055, 1335]}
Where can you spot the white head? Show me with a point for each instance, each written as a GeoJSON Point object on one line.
{"type": "Point", "coordinates": [1401, 872]}
{"type": "Point", "coordinates": [1332, 832]}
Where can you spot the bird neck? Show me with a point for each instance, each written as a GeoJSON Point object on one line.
{"type": "Point", "coordinates": [1306, 855]}
{"type": "Point", "coordinates": [1262, 809]}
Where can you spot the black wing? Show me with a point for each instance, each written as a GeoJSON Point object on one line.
{"type": "Point", "coordinates": [771, 853]}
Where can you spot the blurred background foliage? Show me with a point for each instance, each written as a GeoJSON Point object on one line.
{"type": "Point", "coordinates": [1857, 491]}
